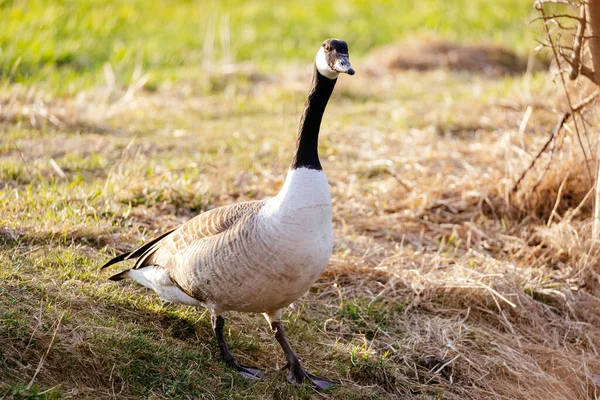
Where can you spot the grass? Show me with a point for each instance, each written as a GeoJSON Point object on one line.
{"type": "Point", "coordinates": [65, 46]}
{"type": "Point", "coordinates": [439, 286]}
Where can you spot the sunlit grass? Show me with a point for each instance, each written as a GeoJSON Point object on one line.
{"type": "Point", "coordinates": [63, 46]}
{"type": "Point", "coordinates": [394, 162]}
{"type": "Point", "coordinates": [416, 302]}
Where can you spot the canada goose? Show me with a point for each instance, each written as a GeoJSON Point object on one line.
{"type": "Point", "coordinates": [255, 256]}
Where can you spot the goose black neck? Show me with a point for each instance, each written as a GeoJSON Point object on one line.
{"type": "Point", "coordinates": [307, 155]}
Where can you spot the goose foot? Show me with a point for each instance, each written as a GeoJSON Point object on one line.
{"type": "Point", "coordinates": [246, 371]}
{"type": "Point", "coordinates": [297, 375]}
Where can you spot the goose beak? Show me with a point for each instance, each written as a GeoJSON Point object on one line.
{"type": "Point", "coordinates": [343, 64]}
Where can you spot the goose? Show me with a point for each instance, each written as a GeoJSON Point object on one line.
{"type": "Point", "coordinates": [255, 256]}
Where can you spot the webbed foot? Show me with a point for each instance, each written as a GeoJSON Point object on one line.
{"type": "Point", "coordinates": [298, 376]}
{"type": "Point", "coordinates": [246, 371]}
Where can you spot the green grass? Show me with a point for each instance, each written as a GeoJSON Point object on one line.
{"type": "Point", "coordinates": [413, 158]}
{"type": "Point", "coordinates": [63, 46]}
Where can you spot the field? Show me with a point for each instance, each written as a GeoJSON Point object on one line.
{"type": "Point", "coordinates": [120, 121]}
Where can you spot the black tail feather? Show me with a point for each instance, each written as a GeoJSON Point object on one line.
{"type": "Point", "coordinates": [120, 276]}
{"type": "Point", "coordinates": [138, 252]}
{"type": "Point", "coordinates": [146, 246]}
{"type": "Point", "coordinates": [115, 260]}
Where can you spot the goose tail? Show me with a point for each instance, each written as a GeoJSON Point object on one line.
{"type": "Point", "coordinates": [120, 276]}
{"type": "Point", "coordinates": [117, 259]}
{"type": "Point", "coordinates": [137, 253]}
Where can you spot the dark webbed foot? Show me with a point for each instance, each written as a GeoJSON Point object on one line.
{"type": "Point", "coordinates": [297, 374]}
{"type": "Point", "coordinates": [244, 370]}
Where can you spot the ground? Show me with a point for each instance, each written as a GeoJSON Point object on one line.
{"type": "Point", "coordinates": [443, 284]}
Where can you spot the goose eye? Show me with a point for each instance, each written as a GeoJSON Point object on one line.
{"type": "Point", "coordinates": [327, 47]}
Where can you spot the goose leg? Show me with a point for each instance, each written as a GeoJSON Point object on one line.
{"type": "Point", "coordinates": [297, 374]}
{"type": "Point", "coordinates": [244, 370]}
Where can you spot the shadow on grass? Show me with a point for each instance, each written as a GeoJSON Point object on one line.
{"type": "Point", "coordinates": [105, 344]}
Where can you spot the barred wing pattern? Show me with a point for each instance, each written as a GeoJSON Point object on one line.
{"type": "Point", "coordinates": [205, 225]}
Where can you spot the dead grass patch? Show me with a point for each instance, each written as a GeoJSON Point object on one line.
{"type": "Point", "coordinates": [427, 55]}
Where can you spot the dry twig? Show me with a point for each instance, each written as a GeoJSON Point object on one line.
{"type": "Point", "coordinates": [41, 363]}
{"type": "Point", "coordinates": [579, 108]}
{"type": "Point", "coordinates": [578, 46]}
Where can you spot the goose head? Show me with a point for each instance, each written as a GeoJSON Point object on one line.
{"type": "Point", "coordinates": [332, 59]}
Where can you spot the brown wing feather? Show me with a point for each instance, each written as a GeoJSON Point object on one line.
{"type": "Point", "coordinates": [204, 225]}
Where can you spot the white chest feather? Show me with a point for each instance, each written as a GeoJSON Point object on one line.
{"type": "Point", "coordinates": [303, 187]}
{"type": "Point", "coordinates": [299, 218]}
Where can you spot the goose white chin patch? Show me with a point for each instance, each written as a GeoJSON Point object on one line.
{"type": "Point", "coordinates": [323, 67]}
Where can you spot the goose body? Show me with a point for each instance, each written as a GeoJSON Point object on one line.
{"type": "Point", "coordinates": [276, 250]}
{"type": "Point", "coordinates": [256, 256]}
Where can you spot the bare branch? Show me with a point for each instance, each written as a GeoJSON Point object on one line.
{"type": "Point", "coordinates": [557, 129]}
{"type": "Point", "coordinates": [586, 102]}
{"type": "Point", "coordinates": [561, 26]}
{"type": "Point", "coordinates": [578, 46]}
{"type": "Point", "coordinates": [579, 109]}
{"type": "Point", "coordinates": [540, 3]}
{"type": "Point", "coordinates": [548, 164]}
{"type": "Point", "coordinates": [582, 69]}
{"type": "Point", "coordinates": [564, 84]}
{"type": "Point", "coordinates": [553, 16]}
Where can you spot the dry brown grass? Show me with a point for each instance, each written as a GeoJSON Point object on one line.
{"type": "Point", "coordinates": [435, 54]}
{"type": "Point", "coordinates": [443, 284]}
